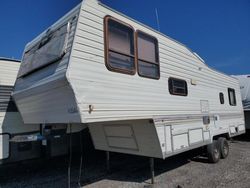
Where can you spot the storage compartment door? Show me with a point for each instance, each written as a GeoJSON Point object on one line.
{"type": "Point", "coordinates": [195, 136]}
{"type": "Point", "coordinates": [164, 135]}
{"type": "Point", "coordinates": [4, 146]}
{"type": "Point", "coordinates": [180, 141]}
{"type": "Point", "coordinates": [120, 136]}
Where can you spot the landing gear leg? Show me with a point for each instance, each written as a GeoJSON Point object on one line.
{"type": "Point", "coordinates": [108, 161]}
{"type": "Point", "coordinates": [152, 170]}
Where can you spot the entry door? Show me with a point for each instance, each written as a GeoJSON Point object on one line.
{"type": "Point", "coordinates": [216, 121]}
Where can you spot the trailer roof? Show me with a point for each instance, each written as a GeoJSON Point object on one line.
{"type": "Point", "coordinates": [10, 59]}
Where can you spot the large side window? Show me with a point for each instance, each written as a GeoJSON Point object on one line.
{"type": "Point", "coordinates": [119, 46]}
{"type": "Point", "coordinates": [47, 50]}
{"type": "Point", "coordinates": [177, 87]}
{"type": "Point", "coordinates": [148, 56]}
{"type": "Point", "coordinates": [232, 97]}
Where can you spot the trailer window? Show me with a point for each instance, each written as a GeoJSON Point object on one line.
{"type": "Point", "coordinates": [148, 56]}
{"type": "Point", "coordinates": [222, 98]}
{"type": "Point", "coordinates": [50, 48]}
{"type": "Point", "coordinates": [119, 43]}
{"type": "Point", "coordinates": [177, 87]}
{"type": "Point", "coordinates": [231, 96]}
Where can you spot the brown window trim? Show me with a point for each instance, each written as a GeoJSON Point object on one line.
{"type": "Point", "coordinates": [177, 94]}
{"type": "Point", "coordinates": [106, 47]}
{"type": "Point", "coordinates": [149, 62]}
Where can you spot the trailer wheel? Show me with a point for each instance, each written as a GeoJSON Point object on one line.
{"type": "Point", "coordinates": [213, 152]}
{"type": "Point", "coordinates": [223, 147]}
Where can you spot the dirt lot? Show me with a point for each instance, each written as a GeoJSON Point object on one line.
{"type": "Point", "coordinates": [187, 170]}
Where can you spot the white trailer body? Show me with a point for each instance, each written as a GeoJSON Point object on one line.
{"type": "Point", "coordinates": [11, 123]}
{"type": "Point", "coordinates": [13, 149]}
{"type": "Point", "coordinates": [245, 95]}
{"type": "Point", "coordinates": [139, 91]}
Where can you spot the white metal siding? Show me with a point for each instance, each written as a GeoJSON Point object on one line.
{"type": "Point", "coordinates": [8, 72]}
{"type": "Point", "coordinates": [116, 96]}
{"type": "Point", "coordinates": [35, 94]}
{"type": "Point", "coordinates": [57, 70]}
{"type": "Point", "coordinates": [119, 96]}
{"type": "Point", "coordinates": [11, 122]}
{"type": "Point", "coordinates": [55, 105]}
{"type": "Point", "coordinates": [141, 138]}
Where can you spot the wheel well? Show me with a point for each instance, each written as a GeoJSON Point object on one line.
{"type": "Point", "coordinates": [225, 135]}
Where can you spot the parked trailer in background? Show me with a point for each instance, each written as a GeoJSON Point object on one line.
{"type": "Point", "coordinates": [11, 123]}
{"type": "Point", "coordinates": [245, 95]}
{"type": "Point", "coordinates": [19, 141]}
{"type": "Point", "coordinates": [138, 91]}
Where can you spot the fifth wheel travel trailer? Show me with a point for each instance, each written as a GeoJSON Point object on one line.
{"type": "Point", "coordinates": [19, 141]}
{"type": "Point", "coordinates": [11, 123]}
{"type": "Point", "coordinates": [137, 90]}
{"type": "Point", "coordinates": [245, 95]}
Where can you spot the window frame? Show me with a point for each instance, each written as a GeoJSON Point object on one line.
{"type": "Point", "coordinates": [43, 41]}
{"type": "Point", "coordinates": [107, 49]}
{"type": "Point", "coordinates": [177, 94]}
{"type": "Point", "coordinates": [222, 98]}
{"type": "Point", "coordinates": [234, 95]}
{"type": "Point", "coordinates": [145, 61]}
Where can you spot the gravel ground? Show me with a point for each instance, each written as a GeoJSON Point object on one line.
{"type": "Point", "coordinates": [187, 170]}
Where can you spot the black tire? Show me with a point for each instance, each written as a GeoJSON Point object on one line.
{"type": "Point", "coordinates": [223, 147]}
{"type": "Point", "coordinates": [213, 152]}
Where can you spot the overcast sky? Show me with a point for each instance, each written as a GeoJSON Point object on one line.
{"type": "Point", "coordinates": [218, 30]}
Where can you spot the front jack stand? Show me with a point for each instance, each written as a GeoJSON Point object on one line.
{"type": "Point", "coordinates": [152, 170]}
{"type": "Point", "coordinates": [108, 161]}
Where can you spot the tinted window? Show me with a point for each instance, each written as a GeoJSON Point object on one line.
{"type": "Point", "coordinates": [177, 87]}
{"type": "Point", "coordinates": [49, 49]}
{"type": "Point", "coordinates": [231, 96]}
{"type": "Point", "coordinates": [119, 39]}
{"type": "Point", "coordinates": [148, 56]}
{"type": "Point", "coordinates": [222, 98]}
